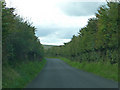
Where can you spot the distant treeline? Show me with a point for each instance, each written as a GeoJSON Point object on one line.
{"type": "Point", "coordinates": [19, 42]}
{"type": "Point", "coordinates": [97, 41]}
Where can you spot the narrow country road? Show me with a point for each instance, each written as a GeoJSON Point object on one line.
{"type": "Point", "coordinates": [57, 74]}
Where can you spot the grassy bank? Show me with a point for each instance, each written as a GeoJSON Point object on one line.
{"type": "Point", "coordinates": [22, 74]}
{"type": "Point", "coordinates": [105, 70]}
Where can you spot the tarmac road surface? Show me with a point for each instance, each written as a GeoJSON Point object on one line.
{"type": "Point", "coordinates": [58, 74]}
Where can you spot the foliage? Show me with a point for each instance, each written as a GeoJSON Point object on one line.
{"type": "Point", "coordinates": [19, 40]}
{"type": "Point", "coordinates": [105, 70]}
{"type": "Point", "coordinates": [22, 74]}
{"type": "Point", "coordinates": [22, 52]}
{"type": "Point", "coordinates": [97, 41]}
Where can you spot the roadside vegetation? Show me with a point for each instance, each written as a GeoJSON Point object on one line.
{"type": "Point", "coordinates": [22, 74]}
{"type": "Point", "coordinates": [95, 49]}
{"type": "Point", "coordinates": [105, 70]}
{"type": "Point", "coordinates": [22, 52]}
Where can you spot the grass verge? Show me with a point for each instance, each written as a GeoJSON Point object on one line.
{"type": "Point", "coordinates": [105, 70]}
{"type": "Point", "coordinates": [22, 74]}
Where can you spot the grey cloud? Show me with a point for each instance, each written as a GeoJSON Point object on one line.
{"type": "Point", "coordinates": [67, 33]}
{"type": "Point", "coordinates": [80, 8]}
{"type": "Point", "coordinates": [57, 32]}
{"type": "Point", "coordinates": [45, 31]}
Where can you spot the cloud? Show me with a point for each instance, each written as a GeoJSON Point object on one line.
{"type": "Point", "coordinates": [66, 33]}
{"type": "Point", "coordinates": [80, 8]}
{"type": "Point", "coordinates": [64, 27]}
{"type": "Point", "coordinates": [58, 36]}
{"type": "Point", "coordinates": [62, 33]}
{"type": "Point", "coordinates": [56, 20]}
{"type": "Point", "coordinates": [58, 33]}
{"type": "Point", "coordinates": [53, 41]}
{"type": "Point", "coordinates": [45, 31]}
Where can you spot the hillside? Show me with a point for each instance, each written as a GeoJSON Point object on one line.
{"type": "Point", "coordinates": [48, 46]}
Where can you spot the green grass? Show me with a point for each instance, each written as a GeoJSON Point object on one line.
{"type": "Point", "coordinates": [105, 70]}
{"type": "Point", "coordinates": [22, 74]}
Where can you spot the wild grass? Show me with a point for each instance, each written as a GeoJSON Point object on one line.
{"type": "Point", "coordinates": [105, 70]}
{"type": "Point", "coordinates": [22, 74]}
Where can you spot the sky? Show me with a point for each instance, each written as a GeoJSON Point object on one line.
{"type": "Point", "coordinates": [56, 21]}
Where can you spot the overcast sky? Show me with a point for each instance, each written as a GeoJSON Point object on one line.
{"type": "Point", "coordinates": [56, 20]}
